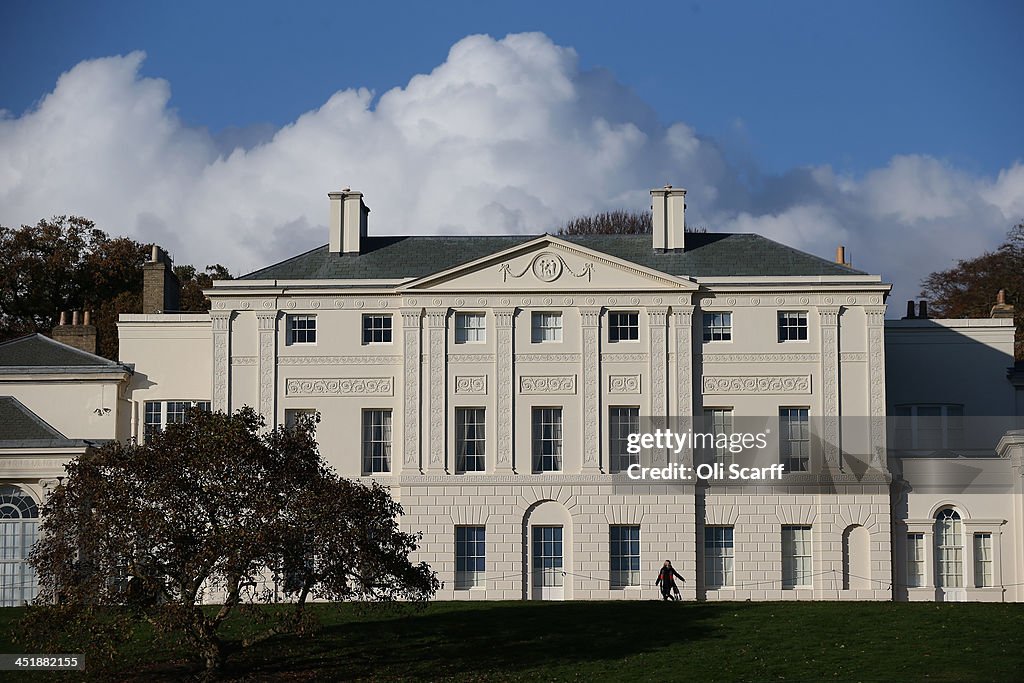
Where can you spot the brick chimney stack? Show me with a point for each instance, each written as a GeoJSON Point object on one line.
{"type": "Point", "coordinates": [1001, 309]}
{"type": "Point", "coordinates": [160, 286]}
{"type": "Point", "coordinates": [81, 333]}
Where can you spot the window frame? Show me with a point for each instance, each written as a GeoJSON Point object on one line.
{"type": "Point", "coordinates": [463, 331]}
{"type": "Point", "coordinates": [383, 330]}
{"type": "Point", "coordinates": [984, 559]}
{"type": "Point", "coordinates": [150, 429]}
{"type": "Point", "coordinates": [548, 567]}
{"type": "Point", "coordinates": [293, 332]}
{"type": "Point", "coordinates": [916, 560]}
{"type": "Point", "coordinates": [709, 328]}
{"type": "Point", "coordinates": [632, 326]}
{"type": "Point", "coordinates": [470, 550]}
{"type": "Point", "coordinates": [800, 568]}
{"type": "Point", "coordinates": [479, 439]}
{"type": "Point", "coordinates": [711, 424]}
{"type": "Point", "coordinates": [539, 327]}
{"type": "Point", "coordinates": [621, 461]}
{"type": "Point", "coordinates": [952, 437]}
{"type": "Point", "coordinates": [949, 549]}
{"type": "Point", "coordinates": [785, 444]}
{"type": "Point", "coordinates": [370, 458]}
{"type": "Point", "coordinates": [783, 325]}
{"type": "Point", "coordinates": [539, 459]}
{"type": "Point", "coordinates": [624, 555]}
{"type": "Point", "coordinates": [291, 415]}
{"type": "Point", "coordinates": [719, 556]}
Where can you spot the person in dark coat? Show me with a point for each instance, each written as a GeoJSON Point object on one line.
{"type": "Point", "coordinates": [666, 579]}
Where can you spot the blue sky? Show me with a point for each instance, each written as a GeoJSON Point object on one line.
{"type": "Point", "coordinates": [886, 126]}
{"type": "Point", "coordinates": [793, 83]}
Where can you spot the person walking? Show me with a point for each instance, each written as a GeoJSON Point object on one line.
{"type": "Point", "coordinates": [666, 579]}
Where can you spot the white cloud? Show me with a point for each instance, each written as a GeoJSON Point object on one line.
{"type": "Point", "coordinates": [504, 136]}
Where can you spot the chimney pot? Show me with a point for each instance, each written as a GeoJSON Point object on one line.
{"type": "Point", "coordinates": [923, 309]}
{"type": "Point", "coordinates": [63, 317]}
{"type": "Point", "coordinates": [74, 317]}
{"type": "Point", "coordinates": [911, 313]}
{"type": "Point", "coordinates": [86, 317]}
{"type": "Point", "coordinates": [841, 255]}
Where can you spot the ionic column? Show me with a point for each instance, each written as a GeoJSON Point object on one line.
{"type": "Point", "coordinates": [876, 384]}
{"type": "Point", "coordinates": [504, 327]}
{"type": "Point", "coordinates": [412, 323]}
{"type": "Point", "coordinates": [591, 375]}
{"type": "Point", "coordinates": [829, 322]}
{"type": "Point", "coordinates": [267, 326]}
{"type": "Point", "coordinates": [220, 322]}
{"type": "Point", "coordinates": [437, 341]}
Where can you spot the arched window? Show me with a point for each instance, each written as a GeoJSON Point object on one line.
{"type": "Point", "coordinates": [19, 528]}
{"type": "Point", "coordinates": [949, 549]}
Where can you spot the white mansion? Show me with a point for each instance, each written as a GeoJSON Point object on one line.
{"type": "Point", "coordinates": [492, 383]}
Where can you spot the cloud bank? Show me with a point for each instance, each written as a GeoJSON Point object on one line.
{"type": "Point", "coordinates": [506, 135]}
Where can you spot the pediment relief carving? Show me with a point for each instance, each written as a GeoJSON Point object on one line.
{"type": "Point", "coordinates": [550, 264]}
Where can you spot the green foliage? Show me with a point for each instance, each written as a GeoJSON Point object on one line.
{"type": "Point", "coordinates": [969, 289]}
{"type": "Point", "coordinates": [67, 264]}
{"type": "Point", "coordinates": [213, 509]}
{"type": "Point", "coordinates": [618, 222]}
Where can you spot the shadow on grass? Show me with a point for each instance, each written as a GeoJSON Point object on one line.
{"type": "Point", "coordinates": [463, 641]}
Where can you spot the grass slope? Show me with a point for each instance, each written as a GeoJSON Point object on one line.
{"type": "Point", "coordinates": [592, 641]}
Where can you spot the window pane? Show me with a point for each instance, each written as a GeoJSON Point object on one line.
{"type": "Point", "coordinates": [470, 554]}
{"type": "Point", "coordinates": [718, 326]}
{"type": "Point", "coordinates": [376, 329]}
{"type": "Point", "coordinates": [796, 556]}
{"type": "Point", "coordinates": [376, 441]}
{"type": "Point", "coordinates": [470, 440]}
{"type": "Point", "coordinates": [795, 438]}
{"type": "Point", "coordinates": [792, 326]}
{"type": "Point", "coordinates": [547, 439]}
{"type": "Point", "coordinates": [623, 326]}
{"type": "Point", "coordinates": [301, 329]}
{"type": "Point", "coordinates": [718, 557]}
{"type": "Point", "coordinates": [624, 555]}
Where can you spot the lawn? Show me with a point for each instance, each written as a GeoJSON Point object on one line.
{"type": "Point", "coordinates": [593, 641]}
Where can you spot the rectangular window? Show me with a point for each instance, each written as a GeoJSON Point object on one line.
{"type": "Point", "coordinates": [983, 561]}
{"type": "Point", "coordinates": [718, 326]}
{"type": "Point", "coordinates": [547, 556]}
{"type": "Point", "coordinates": [718, 556]}
{"type": "Point", "coordinates": [293, 415]}
{"type": "Point", "coordinates": [624, 549]}
{"type": "Point", "coordinates": [795, 439]}
{"type": "Point", "coordinates": [796, 556]}
{"type": "Point", "coordinates": [470, 328]}
{"type": "Point", "coordinates": [470, 440]}
{"type": "Point", "coordinates": [470, 554]}
{"type": "Point", "coordinates": [792, 326]}
{"type": "Point", "coordinates": [622, 421]}
{"type": "Point", "coordinates": [718, 421]}
{"type": "Point", "coordinates": [301, 329]}
{"type": "Point", "coordinates": [376, 329]}
{"type": "Point", "coordinates": [929, 427]}
{"type": "Point", "coordinates": [159, 414]}
{"type": "Point", "coordinates": [547, 439]}
{"type": "Point", "coordinates": [915, 560]}
{"type": "Point", "coordinates": [546, 327]}
{"type": "Point", "coordinates": [623, 326]}
{"type": "Point", "coordinates": [376, 441]}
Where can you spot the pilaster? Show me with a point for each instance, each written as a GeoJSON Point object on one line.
{"type": "Point", "coordinates": [504, 323]}
{"type": "Point", "coordinates": [267, 327]}
{"type": "Point", "coordinates": [682, 321]}
{"type": "Point", "coordinates": [437, 340]}
{"type": "Point", "coordinates": [591, 374]}
{"type": "Point", "coordinates": [220, 322]}
{"type": "Point", "coordinates": [829, 322]}
{"type": "Point", "coordinates": [658, 334]}
{"type": "Point", "coordinates": [876, 384]}
{"type": "Point", "coordinates": [412, 324]}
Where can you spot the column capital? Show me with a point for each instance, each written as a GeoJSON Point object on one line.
{"type": "Point", "coordinates": [876, 315]}
{"type": "Point", "coordinates": [411, 317]}
{"type": "Point", "coordinates": [658, 315]}
{"type": "Point", "coordinates": [683, 315]}
{"type": "Point", "coordinates": [436, 317]}
{"type": "Point", "coordinates": [503, 317]}
{"type": "Point", "coordinates": [591, 316]}
{"type": "Point", "coordinates": [829, 315]}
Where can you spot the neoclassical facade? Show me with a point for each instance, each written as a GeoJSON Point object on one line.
{"type": "Point", "coordinates": [492, 383]}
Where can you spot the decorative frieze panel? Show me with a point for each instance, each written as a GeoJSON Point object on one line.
{"type": "Point", "coordinates": [470, 357]}
{"type": "Point", "coordinates": [546, 267]}
{"type": "Point", "coordinates": [244, 360]}
{"type": "Point", "coordinates": [547, 358]}
{"type": "Point", "coordinates": [339, 360]}
{"type": "Point", "coordinates": [853, 357]}
{"type": "Point", "coordinates": [623, 384]}
{"type": "Point", "coordinates": [625, 357]}
{"type": "Point", "coordinates": [761, 357]}
{"type": "Point", "coordinates": [349, 386]}
{"type": "Point", "coordinates": [470, 384]}
{"type": "Point", "coordinates": [547, 384]}
{"type": "Point", "coordinates": [757, 384]}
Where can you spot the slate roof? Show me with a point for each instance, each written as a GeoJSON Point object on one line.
{"type": "Point", "coordinates": [21, 428]}
{"type": "Point", "coordinates": [706, 255]}
{"type": "Point", "coordinates": [40, 353]}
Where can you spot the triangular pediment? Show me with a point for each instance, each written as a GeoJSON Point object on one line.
{"type": "Point", "coordinates": [549, 264]}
